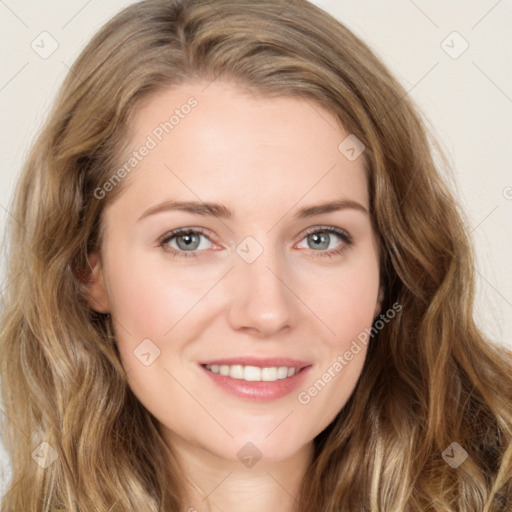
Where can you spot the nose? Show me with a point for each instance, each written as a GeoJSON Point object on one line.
{"type": "Point", "coordinates": [263, 302]}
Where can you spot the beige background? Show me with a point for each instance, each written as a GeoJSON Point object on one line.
{"type": "Point", "coordinates": [467, 99]}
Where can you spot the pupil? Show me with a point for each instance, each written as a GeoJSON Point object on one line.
{"type": "Point", "coordinates": [320, 239]}
{"type": "Point", "coordinates": [188, 239]}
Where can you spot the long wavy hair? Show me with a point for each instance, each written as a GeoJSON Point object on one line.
{"type": "Point", "coordinates": [77, 437]}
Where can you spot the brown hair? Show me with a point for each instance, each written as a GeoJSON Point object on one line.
{"type": "Point", "coordinates": [431, 377]}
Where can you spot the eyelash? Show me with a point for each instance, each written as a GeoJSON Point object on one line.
{"type": "Point", "coordinates": [346, 238]}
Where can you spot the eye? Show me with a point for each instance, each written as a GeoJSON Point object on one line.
{"type": "Point", "coordinates": [187, 240]}
{"type": "Point", "coordinates": [321, 238]}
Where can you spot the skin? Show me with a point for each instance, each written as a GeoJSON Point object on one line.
{"type": "Point", "coordinates": [264, 158]}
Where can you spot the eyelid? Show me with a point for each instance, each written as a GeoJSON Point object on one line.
{"type": "Point", "coordinates": [205, 232]}
{"type": "Point", "coordinates": [343, 233]}
{"type": "Point", "coordinates": [179, 231]}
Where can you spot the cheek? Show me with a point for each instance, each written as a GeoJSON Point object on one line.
{"type": "Point", "coordinates": [151, 299]}
{"type": "Point", "coordinates": [345, 300]}
{"type": "Point", "coordinates": [346, 303]}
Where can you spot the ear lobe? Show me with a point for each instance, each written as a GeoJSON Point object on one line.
{"type": "Point", "coordinates": [96, 293]}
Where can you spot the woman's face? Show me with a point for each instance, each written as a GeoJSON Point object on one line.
{"type": "Point", "coordinates": [264, 276]}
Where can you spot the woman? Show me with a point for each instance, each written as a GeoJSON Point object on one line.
{"type": "Point", "coordinates": [240, 281]}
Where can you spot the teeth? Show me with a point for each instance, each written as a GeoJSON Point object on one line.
{"type": "Point", "coordinates": [282, 372]}
{"type": "Point", "coordinates": [271, 374]}
{"type": "Point", "coordinates": [236, 371]}
{"type": "Point", "coordinates": [253, 373]}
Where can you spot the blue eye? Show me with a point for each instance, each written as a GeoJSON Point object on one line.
{"type": "Point", "coordinates": [188, 241]}
{"type": "Point", "coordinates": [320, 238]}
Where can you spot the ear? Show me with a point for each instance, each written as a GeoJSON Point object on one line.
{"type": "Point", "coordinates": [378, 306]}
{"type": "Point", "coordinates": [96, 292]}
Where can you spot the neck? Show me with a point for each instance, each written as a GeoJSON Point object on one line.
{"type": "Point", "coordinates": [218, 484]}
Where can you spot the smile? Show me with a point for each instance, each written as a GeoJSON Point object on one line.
{"type": "Point", "coordinates": [253, 373]}
{"type": "Point", "coordinates": [256, 383]}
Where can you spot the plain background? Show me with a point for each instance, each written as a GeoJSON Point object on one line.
{"type": "Point", "coordinates": [466, 97]}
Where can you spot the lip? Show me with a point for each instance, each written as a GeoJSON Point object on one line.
{"type": "Point", "coordinates": [258, 391]}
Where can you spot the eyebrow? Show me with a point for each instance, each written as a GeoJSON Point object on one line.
{"type": "Point", "coordinates": [222, 212]}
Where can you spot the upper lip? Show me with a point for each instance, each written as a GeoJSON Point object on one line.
{"type": "Point", "coordinates": [261, 362]}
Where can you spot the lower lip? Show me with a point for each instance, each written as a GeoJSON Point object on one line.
{"type": "Point", "coordinates": [258, 391]}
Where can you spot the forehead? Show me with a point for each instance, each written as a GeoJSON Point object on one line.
{"type": "Point", "coordinates": [218, 142]}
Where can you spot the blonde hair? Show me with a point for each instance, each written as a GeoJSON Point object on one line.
{"type": "Point", "coordinates": [430, 378]}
